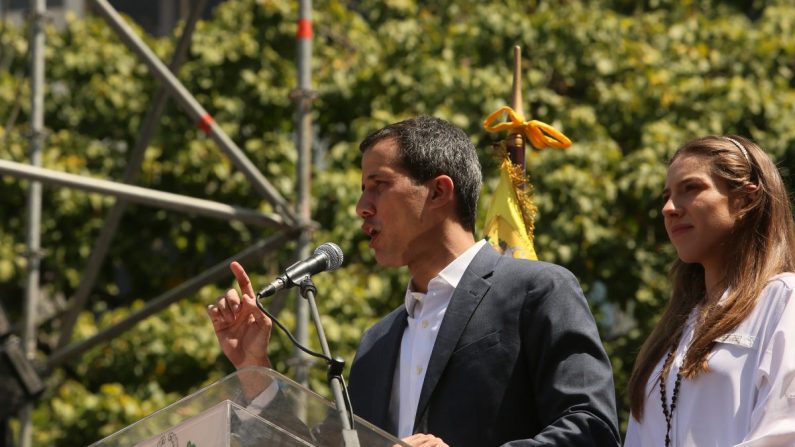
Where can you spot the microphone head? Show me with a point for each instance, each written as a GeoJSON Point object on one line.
{"type": "Point", "coordinates": [333, 255]}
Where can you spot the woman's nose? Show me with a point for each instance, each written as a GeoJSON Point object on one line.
{"type": "Point", "coordinates": [669, 208]}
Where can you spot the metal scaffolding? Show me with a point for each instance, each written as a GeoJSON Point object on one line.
{"type": "Point", "coordinates": [32, 291]}
{"type": "Point", "coordinates": [291, 223]}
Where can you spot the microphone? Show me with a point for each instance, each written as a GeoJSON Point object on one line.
{"type": "Point", "coordinates": [326, 257]}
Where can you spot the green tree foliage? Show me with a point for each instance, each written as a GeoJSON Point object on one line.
{"type": "Point", "coordinates": [627, 81]}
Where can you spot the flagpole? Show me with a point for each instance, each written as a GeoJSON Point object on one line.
{"type": "Point", "coordinates": [510, 219]}
{"type": "Point", "coordinates": [515, 143]}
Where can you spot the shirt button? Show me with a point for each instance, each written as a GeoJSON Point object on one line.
{"type": "Point", "coordinates": [419, 370]}
{"type": "Point", "coordinates": [424, 324]}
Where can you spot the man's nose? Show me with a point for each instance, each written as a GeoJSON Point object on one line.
{"type": "Point", "coordinates": [364, 207]}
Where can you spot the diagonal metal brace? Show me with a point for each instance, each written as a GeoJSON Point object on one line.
{"type": "Point", "coordinates": [189, 104]}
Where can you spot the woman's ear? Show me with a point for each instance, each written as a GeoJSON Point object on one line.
{"type": "Point", "coordinates": [751, 191]}
{"type": "Point", "coordinates": [746, 195]}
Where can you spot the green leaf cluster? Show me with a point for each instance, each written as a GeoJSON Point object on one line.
{"type": "Point", "coordinates": [627, 81]}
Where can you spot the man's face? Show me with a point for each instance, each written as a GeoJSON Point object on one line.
{"type": "Point", "coordinates": [392, 207]}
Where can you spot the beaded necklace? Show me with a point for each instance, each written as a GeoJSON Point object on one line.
{"type": "Point", "coordinates": [668, 413]}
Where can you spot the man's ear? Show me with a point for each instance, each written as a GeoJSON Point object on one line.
{"type": "Point", "coordinates": [442, 190]}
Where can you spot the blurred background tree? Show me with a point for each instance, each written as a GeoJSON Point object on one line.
{"type": "Point", "coordinates": [627, 81]}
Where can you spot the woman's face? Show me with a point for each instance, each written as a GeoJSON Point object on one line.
{"type": "Point", "coordinates": [699, 212]}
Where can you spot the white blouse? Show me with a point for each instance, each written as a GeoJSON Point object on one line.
{"type": "Point", "coordinates": [747, 398]}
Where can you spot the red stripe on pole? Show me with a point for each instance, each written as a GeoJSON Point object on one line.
{"type": "Point", "coordinates": [304, 29]}
{"type": "Point", "coordinates": [205, 122]}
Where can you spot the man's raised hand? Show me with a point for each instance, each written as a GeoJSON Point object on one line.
{"type": "Point", "coordinates": [242, 329]}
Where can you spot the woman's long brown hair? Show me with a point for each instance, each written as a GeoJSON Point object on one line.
{"type": "Point", "coordinates": [762, 245]}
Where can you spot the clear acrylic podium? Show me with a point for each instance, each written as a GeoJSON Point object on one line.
{"type": "Point", "coordinates": [252, 407]}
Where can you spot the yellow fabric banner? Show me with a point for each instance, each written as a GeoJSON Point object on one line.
{"type": "Point", "coordinates": [511, 216]}
{"type": "Point", "coordinates": [506, 228]}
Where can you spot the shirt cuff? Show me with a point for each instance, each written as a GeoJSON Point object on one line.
{"type": "Point", "coordinates": [264, 398]}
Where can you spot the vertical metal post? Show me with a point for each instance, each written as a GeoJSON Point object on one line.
{"type": "Point", "coordinates": [303, 97]}
{"type": "Point", "coordinates": [32, 292]}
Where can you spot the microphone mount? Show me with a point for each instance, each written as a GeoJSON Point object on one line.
{"type": "Point", "coordinates": [328, 256]}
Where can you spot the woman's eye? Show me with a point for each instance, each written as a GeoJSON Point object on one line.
{"type": "Point", "coordinates": [692, 188]}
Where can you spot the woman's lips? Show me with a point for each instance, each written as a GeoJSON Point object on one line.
{"type": "Point", "coordinates": [680, 228]}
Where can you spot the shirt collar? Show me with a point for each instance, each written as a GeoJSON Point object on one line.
{"type": "Point", "coordinates": [450, 275]}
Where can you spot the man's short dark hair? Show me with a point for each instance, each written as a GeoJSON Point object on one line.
{"type": "Point", "coordinates": [429, 147]}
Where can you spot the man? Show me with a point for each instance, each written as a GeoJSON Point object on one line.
{"type": "Point", "coordinates": [488, 350]}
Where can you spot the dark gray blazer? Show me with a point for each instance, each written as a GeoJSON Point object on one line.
{"type": "Point", "coordinates": [517, 361]}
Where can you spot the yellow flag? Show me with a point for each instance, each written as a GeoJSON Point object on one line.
{"type": "Point", "coordinates": [506, 226]}
{"type": "Point", "coordinates": [510, 222]}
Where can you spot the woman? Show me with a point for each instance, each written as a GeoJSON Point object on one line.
{"type": "Point", "coordinates": [719, 367]}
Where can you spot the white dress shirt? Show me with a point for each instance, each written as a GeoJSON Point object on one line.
{"type": "Point", "coordinates": [426, 311]}
{"type": "Point", "coordinates": [747, 398]}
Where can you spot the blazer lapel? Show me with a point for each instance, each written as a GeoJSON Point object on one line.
{"type": "Point", "coordinates": [466, 298]}
{"type": "Point", "coordinates": [380, 364]}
